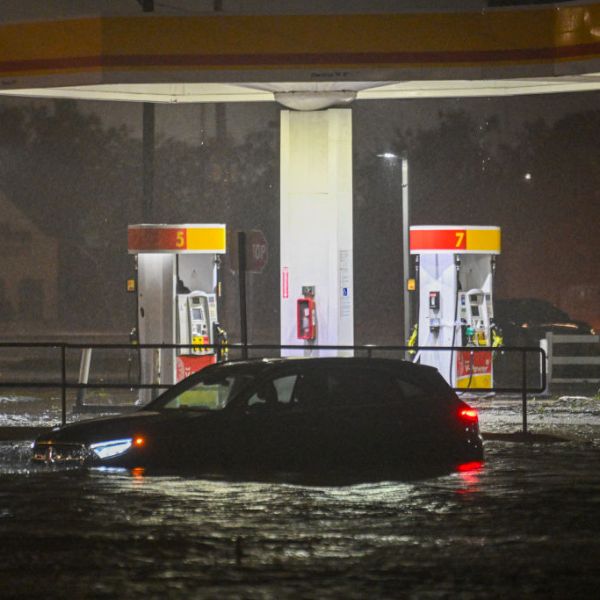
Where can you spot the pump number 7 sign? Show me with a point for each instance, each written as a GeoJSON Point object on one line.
{"type": "Point", "coordinates": [452, 239]}
{"type": "Point", "coordinates": [439, 239]}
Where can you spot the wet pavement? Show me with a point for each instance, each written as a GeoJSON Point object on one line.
{"type": "Point", "coordinates": [524, 524]}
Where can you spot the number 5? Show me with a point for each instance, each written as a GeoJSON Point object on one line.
{"type": "Point", "coordinates": [180, 239]}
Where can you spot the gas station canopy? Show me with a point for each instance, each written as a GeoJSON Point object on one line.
{"type": "Point", "coordinates": [305, 61]}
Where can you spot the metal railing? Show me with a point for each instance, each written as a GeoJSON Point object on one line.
{"type": "Point", "coordinates": [66, 382]}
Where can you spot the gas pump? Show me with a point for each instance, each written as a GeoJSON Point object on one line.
{"type": "Point", "coordinates": [196, 314]}
{"type": "Point", "coordinates": [456, 268]}
{"type": "Point", "coordinates": [177, 273]}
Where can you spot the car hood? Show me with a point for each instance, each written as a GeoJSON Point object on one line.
{"type": "Point", "coordinates": [567, 326]}
{"type": "Point", "coordinates": [105, 428]}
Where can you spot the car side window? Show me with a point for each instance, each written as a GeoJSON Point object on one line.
{"type": "Point", "coordinates": [310, 390]}
{"type": "Point", "coordinates": [353, 387]}
{"type": "Point", "coordinates": [285, 388]}
{"type": "Point", "coordinates": [410, 390]}
{"type": "Point", "coordinates": [274, 393]}
{"type": "Point", "coordinates": [319, 388]}
{"type": "Point", "coordinates": [206, 395]}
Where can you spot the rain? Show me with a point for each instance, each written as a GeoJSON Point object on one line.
{"type": "Point", "coordinates": [523, 523]}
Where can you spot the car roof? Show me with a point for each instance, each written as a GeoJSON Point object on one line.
{"type": "Point", "coordinates": [428, 377]}
{"type": "Point", "coordinates": [416, 371]}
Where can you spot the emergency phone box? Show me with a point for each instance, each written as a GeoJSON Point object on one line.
{"type": "Point", "coordinates": [306, 319]}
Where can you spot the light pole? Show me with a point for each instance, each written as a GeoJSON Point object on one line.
{"type": "Point", "coordinates": [390, 156]}
{"type": "Point", "coordinates": [405, 248]}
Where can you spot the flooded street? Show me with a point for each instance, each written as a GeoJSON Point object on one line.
{"type": "Point", "coordinates": [525, 524]}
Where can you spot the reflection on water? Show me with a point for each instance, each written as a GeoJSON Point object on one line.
{"type": "Point", "coordinates": [469, 474]}
{"type": "Point", "coordinates": [525, 523]}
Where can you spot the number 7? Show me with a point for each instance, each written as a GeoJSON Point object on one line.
{"type": "Point", "coordinates": [460, 236]}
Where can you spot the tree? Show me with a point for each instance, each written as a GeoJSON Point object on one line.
{"type": "Point", "coordinates": [81, 182]}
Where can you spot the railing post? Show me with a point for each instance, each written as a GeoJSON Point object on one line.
{"type": "Point", "coordinates": [544, 381]}
{"type": "Point", "coordinates": [524, 389]}
{"type": "Point", "coordinates": [543, 359]}
{"type": "Point", "coordinates": [63, 383]}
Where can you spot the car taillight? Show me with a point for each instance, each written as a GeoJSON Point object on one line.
{"type": "Point", "coordinates": [468, 415]}
{"type": "Point", "coordinates": [475, 465]}
{"type": "Point", "coordinates": [139, 441]}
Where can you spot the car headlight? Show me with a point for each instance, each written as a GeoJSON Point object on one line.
{"type": "Point", "coordinates": [111, 448]}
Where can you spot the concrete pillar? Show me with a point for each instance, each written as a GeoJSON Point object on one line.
{"type": "Point", "coordinates": [316, 223]}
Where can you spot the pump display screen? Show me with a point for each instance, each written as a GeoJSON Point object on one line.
{"type": "Point", "coordinates": [197, 314]}
{"type": "Point", "coordinates": [475, 300]}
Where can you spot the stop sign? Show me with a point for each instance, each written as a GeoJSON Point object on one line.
{"type": "Point", "coordinates": [257, 251]}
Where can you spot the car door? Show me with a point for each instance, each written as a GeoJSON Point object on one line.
{"type": "Point", "coordinates": [318, 418]}
{"type": "Point", "coordinates": [270, 426]}
{"type": "Point", "coordinates": [367, 418]}
{"type": "Point", "coordinates": [196, 430]}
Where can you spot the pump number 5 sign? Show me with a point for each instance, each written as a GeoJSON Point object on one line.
{"type": "Point", "coordinates": [177, 238]}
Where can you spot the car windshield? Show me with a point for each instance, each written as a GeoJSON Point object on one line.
{"type": "Point", "coordinates": [212, 392]}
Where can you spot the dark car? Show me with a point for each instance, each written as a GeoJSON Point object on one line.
{"type": "Point", "coordinates": [525, 321]}
{"type": "Point", "coordinates": [283, 415]}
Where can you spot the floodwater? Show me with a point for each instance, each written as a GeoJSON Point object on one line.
{"type": "Point", "coordinates": [524, 524]}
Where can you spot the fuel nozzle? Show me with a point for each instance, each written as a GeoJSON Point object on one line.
{"type": "Point", "coordinates": [470, 333]}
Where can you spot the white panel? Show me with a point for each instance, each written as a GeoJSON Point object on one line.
{"type": "Point", "coordinates": [308, 153]}
{"type": "Point", "coordinates": [437, 272]}
{"type": "Point", "coordinates": [156, 316]}
{"type": "Point", "coordinates": [476, 272]}
{"type": "Point", "coordinates": [340, 166]}
{"type": "Point", "coordinates": [198, 272]}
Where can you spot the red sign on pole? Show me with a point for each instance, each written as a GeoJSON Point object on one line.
{"type": "Point", "coordinates": [285, 283]}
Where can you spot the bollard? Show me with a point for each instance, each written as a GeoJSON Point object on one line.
{"type": "Point", "coordinates": [63, 354]}
{"type": "Point", "coordinates": [84, 374]}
